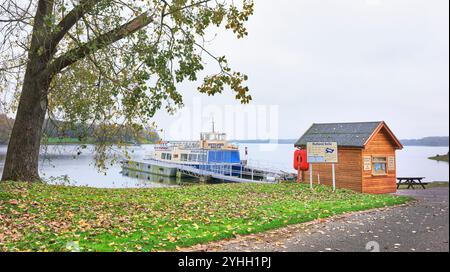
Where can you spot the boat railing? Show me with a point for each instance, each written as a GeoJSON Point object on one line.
{"type": "Point", "coordinates": [180, 144]}
{"type": "Point", "coordinates": [233, 146]}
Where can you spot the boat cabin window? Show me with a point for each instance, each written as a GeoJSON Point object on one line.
{"type": "Point", "coordinates": [213, 136]}
{"type": "Point", "coordinates": [184, 157]}
{"type": "Point", "coordinates": [202, 158]}
{"type": "Point", "coordinates": [166, 156]}
{"type": "Point", "coordinates": [193, 157]}
{"type": "Point", "coordinates": [379, 166]}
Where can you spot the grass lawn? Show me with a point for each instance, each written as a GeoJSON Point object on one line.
{"type": "Point", "coordinates": [41, 217]}
{"type": "Point", "coordinates": [57, 140]}
{"type": "Point", "coordinates": [67, 140]}
{"type": "Point", "coordinates": [428, 186]}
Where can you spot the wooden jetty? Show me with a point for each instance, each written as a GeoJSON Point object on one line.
{"type": "Point", "coordinates": [208, 172]}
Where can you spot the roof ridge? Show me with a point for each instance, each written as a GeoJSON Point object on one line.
{"type": "Point", "coordinates": [338, 133]}
{"type": "Point", "coordinates": [346, 134]}
{"type": "Point", "coordinates": [371, 122]}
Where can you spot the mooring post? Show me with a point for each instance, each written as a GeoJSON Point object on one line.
{"type": "Point", "coordinates": [311, 176]}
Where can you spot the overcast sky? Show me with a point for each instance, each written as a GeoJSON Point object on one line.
{"type": "Point", "coordinates": [313, 61]}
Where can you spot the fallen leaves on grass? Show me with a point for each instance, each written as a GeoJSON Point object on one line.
{"type": "Point", "coordinates": [39, 217]}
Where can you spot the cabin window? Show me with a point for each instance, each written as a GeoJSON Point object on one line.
{"type": "Point", "coordinates": [166, 156]}
{"type": "Point", "coordinates": [202, 158]}
{"type": "Point", "coordinates": [379, 166]}
{"type": "Point", "coordinates": [193, 157]}
{"type": "Point", "coordinates": [184, 157]}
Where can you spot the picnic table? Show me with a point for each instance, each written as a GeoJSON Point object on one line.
{"type": "Point", "coordinates": [411, 181]}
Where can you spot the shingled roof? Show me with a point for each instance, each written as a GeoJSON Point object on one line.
{"type": "Point", "coordinates": [345, 134]}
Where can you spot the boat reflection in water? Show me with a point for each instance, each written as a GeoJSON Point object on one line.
{"type": "Point", "coordinates": [146, 178]}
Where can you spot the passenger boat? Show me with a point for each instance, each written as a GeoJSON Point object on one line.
{"type": "Point", "coordinates": [210, 158]}
{"type": "Point", "coordinates": [212, 148]}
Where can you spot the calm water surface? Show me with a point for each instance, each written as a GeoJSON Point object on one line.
{"type": "Point", "coordinates": [59, 161]}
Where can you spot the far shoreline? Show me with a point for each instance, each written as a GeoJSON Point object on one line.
{"type": "Point", "coordinates": [440, 158]}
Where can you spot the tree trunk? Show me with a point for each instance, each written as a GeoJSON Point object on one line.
{"type": "Point", "coordinates": [22, 158]}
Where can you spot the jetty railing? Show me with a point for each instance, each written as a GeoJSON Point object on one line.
{"type": "Point", "coordinates": [248, 172]}
{"type": "Point", "coordinates": [221, 171]}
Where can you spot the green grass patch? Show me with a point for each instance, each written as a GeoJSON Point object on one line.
{"type": "Point", "coordinates": [437, 184]}
{"type": "Point", "coordinates": [62, 140]}
{"type": "Point", "coordinates": [67, 140]}
{"type": "Point", "coordinates": [38, 217]}
{"type": "Point", "coordinates": [443, 158]}
{"type": "Point", "coordinates": [427, 185]}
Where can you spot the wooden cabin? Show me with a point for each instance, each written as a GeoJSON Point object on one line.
{"type": "Point", "coordinates": [367, 156]}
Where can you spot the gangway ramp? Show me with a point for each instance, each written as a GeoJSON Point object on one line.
{"type": "Point", "coordinates": [201, 173]}
{"type": "Point", "coordinates": [234, 173]}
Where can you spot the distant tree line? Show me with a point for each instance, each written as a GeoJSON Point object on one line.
{"type": "Point", "coordinates": [58, 131]}
{"type": "Point", "coordinates": [427, 141]}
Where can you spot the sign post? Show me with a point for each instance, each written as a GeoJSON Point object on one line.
{"type": "Point", "coordinates": [325, 153]}
{"type": "Point", "coordinates": [334, 177]}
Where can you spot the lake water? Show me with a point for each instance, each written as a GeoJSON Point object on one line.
{"type": "Point", "coordinates": [60, 161]}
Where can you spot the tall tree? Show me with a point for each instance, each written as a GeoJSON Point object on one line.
{"type": "Point", "coordinates": [105, 62]}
